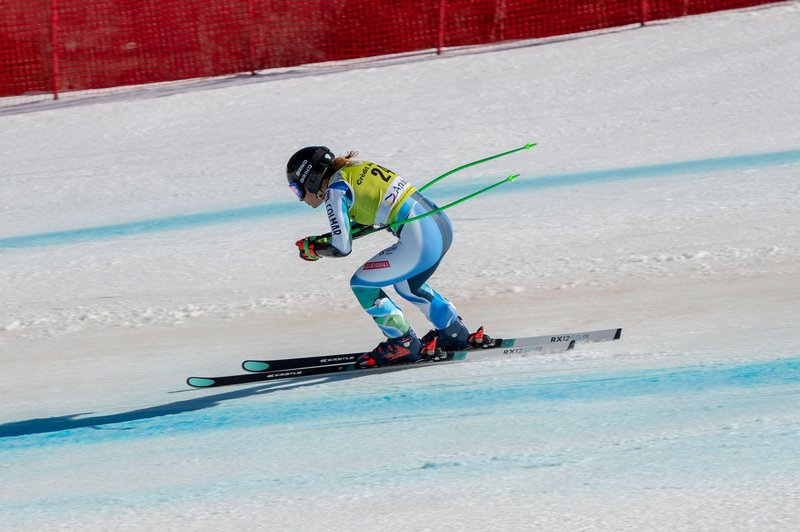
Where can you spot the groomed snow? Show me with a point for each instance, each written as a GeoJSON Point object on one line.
{"type": "Point", "coordinates": [144, 239]}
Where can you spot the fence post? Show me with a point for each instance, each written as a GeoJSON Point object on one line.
{"type": "Point", "coordinates": [251, 36]}
{"type": "Point", "coordinates": [56, 73]}
{"type": "Point", "coordinates": [644, 12]}
{"type": "Point", "coordinates": [440, 40]}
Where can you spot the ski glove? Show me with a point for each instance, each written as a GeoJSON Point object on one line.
{"type": "Point", "coordinates": [315, 247]}
{"type": "Point", "coordinates": [308, 247]}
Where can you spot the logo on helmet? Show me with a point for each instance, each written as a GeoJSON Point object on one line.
{"type": "Point", "coordinates": [303, 169]}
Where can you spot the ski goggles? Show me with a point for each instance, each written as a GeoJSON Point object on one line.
{"type": "Point", "coordinates": [298, 191]}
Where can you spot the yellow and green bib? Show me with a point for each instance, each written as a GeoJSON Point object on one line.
{"type": "Point", "coordinates": [378, 192]}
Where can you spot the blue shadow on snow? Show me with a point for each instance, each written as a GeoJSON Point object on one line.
{"type": "Point", "coordinates": [532, 390]}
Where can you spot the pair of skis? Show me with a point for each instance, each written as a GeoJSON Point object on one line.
{"type": "Point", "coordinates": [296, 368]}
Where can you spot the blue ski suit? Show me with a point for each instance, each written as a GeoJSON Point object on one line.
{"type": "Point", "coordinates": [369, 194]}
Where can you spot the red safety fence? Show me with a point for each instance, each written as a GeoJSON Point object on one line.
{"type": "Point", "coordinates": [53, 46]}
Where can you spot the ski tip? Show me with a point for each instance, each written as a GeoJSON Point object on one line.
{"type": "Point", "coordinates": [618, 334]}
{"type": "Point", "coordinates": [255, 365]}
{"type": "Point", "coordinates": [199, 382]}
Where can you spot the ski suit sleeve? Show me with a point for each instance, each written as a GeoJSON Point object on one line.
{"type": "Point", "coordinates": [338, 200]}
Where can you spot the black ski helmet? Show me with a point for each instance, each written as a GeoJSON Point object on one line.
{"type": "Point", "coordinates": [306, 169]}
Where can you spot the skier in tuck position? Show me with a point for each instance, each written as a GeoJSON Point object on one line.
{"type": "Point", "coordinates": [357, 196]}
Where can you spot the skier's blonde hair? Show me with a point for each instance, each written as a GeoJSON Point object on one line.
{"type": "Point", "coordinates": [342, 161]}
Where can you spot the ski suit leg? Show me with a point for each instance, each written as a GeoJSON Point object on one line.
{"type": "Point", "coordinates": [407, 265]}
{"type": "Point", "coordinates": [387, 316]}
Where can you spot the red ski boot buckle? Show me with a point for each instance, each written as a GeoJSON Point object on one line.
{"type": "Point", "coordinates": [429, 349]}
{"type": "Point", "coordinates": [477, 338]}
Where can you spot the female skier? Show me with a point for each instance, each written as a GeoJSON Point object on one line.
{"type": "Point", "coordinates": [357, 196]}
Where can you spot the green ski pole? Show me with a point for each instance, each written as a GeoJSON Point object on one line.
{"type": "Point", "coordinates": [395, 225]}
{"type": "Point", "coordinates": [474, 163]}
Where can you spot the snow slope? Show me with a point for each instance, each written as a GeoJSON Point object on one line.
{"type": "Point", "coordinates": [144, 239]}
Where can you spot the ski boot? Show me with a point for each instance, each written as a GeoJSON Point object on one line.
{"type": "Point", "coordinates": [454, 337]}
{"type": "Point", "coordinates": [402, 350]}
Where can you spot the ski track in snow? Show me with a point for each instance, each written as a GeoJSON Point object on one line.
{"type": "Point", "coordinates": [737, 421]}
{"type": "Point", "coordinates": [472, 397]}
{"type": "Point", "coordinates": [278, 210]}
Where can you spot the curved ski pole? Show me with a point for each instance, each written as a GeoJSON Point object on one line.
{"type": "Point", "coordinates": [395, 225]}
{"type": "Point", "coordinates": [474, 163]}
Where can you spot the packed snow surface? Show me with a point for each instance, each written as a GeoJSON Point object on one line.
{"type": "Point", "coordinates": [148, 235]}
